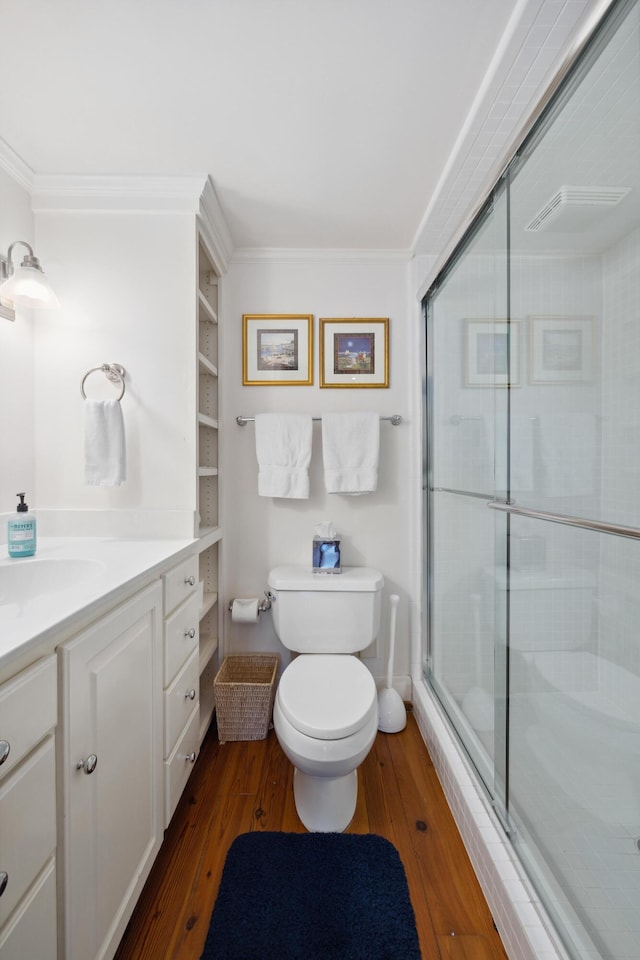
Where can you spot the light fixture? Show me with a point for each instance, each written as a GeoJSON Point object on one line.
{"type": "Point", "coordinates": [23, 286]}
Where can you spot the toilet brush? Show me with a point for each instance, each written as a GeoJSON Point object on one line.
{"type": "Point", "coordinates": [392, 716]}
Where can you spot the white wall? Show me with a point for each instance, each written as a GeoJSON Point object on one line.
{"type": "Point", "coordinates": [126, 284]}
{"type": "Point", "coordinates": [377, 530]}
{"type": "Point", "coordinates": [16, 364]}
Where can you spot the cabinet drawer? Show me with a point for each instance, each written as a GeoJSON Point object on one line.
{"type": "Point", "coordinates": [28, 708]}
{"type": "Point", "coordinates": [32, 930]}
{"type": "Point", "coordinates": [178, 701]}
{"type": "Point", "coordinates": [178, 767]}
{"type": "Point", "coordinates": [28, 816]}
{"type": "Point", "coordinates": [178, 585]}
{"type": "Point", "coordinates": [179, 643]}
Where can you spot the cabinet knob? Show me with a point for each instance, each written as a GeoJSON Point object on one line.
{"type": "Point", "coordinates": [190, 758]}
{"type": "Point", "coordinates": [5, 750]}
{"type": "Point", "coordinates": [191, 581]}
{"type": "Point", "coordinates": [89, 764]}
{"type": "Point", "coordinates": [190, 695]}
{"type": "Point", "coordinates": [190, 633]}
{"type": "Point", "coordinates": [4, 880]}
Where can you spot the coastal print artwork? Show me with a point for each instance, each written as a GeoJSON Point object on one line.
{"type": "Point", "coordinates": [277, 349]}
{"type": "Point", "coordinates": [354, 352]}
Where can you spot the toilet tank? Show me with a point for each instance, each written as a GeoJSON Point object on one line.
{"type": "Point", "coordinates": [317, 613]}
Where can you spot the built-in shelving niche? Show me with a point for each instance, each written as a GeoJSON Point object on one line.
{"type": "Point", "coordinates": [207, 473]}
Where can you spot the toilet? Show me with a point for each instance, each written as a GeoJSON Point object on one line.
{"type": "Point", "coordinates": [325, 713]}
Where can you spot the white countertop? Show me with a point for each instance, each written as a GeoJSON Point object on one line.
{"type": "Point", "coordinates": [81, 575]}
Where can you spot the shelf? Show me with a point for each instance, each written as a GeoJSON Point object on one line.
{"type": "Point", "coordinates": [206, 366]}
{"type": "Point", "coordinates": [207, 536]}
{"type": "Point", "coordinates": [206, 307]}
{"type": "Point", "coordinates": [207, 471]}
{"type": "Point", "coordinates": [206, 715]}
{"type": "Point", "coordinates": [208, 646]}
{"type": "Point", "coordinates": [205, 421]}
{"type": "Point", "coordinates": [209, 601]}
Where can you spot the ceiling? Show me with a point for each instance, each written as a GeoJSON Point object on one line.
{"type": "Point", "coordinates": [323, 123]}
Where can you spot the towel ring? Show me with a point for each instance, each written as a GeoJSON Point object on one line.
{"type": "Point", "coordinates": [112, 371]}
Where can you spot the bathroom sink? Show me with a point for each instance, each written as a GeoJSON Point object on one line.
{"type": "Point", "coordinates": [25, 579]}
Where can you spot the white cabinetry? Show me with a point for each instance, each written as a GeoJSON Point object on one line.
{"type": "Point", "coordinates": [181, 673]}
{"type": "Point", "coordinates": [208, 476]}
{"type": "Point", "coordinates": [28, 708]}
{"type": "Point", "coordinates": [112, 789]}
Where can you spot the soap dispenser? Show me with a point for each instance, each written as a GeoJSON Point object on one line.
{"type": "Point", "coordinates": [21, 539]}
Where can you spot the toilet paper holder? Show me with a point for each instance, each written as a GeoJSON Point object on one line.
{"type": "Point", "coordinates": [263, 606]}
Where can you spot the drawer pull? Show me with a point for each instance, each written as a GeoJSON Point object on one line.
{"type": "Point", "coordinates": [190, 758]}
{"type": "Point", "coordinates": [191, 581]}
{"type": "Point", "coordinates": [4, 880]}
{"type": "Point", "coordinates": [190, 695]}
{"type": "Point", "coordinates": [88, 765]}
{"type": "Point", "coordinates": [5, 750]}
{"type": "Point", "coordinates": [190, 633]}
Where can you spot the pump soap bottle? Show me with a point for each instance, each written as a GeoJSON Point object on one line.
{"type": "Point", "coordinates": [21, 539]}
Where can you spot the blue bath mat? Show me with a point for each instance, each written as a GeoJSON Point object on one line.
{"type": "Point", "coordinates": [312, 896]}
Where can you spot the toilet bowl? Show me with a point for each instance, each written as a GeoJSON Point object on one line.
{"type": "Point", "coordinates": [326, 718]}
{"type": "Point", "coordinates": [325, 713]}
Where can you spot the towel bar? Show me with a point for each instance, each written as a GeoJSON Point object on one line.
{"type": "Point", "coordinates": [394, 420]}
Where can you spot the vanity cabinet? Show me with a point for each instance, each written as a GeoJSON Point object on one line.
{"type": "Point", "coordinates": [28, 713]}
{"type": "Point", "coordinates": [111, 746]}
{"type": "Point", "coordinates": [181, 679]}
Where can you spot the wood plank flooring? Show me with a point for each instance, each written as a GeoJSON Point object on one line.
{"type": "Point", "coordinates": [238, 787]}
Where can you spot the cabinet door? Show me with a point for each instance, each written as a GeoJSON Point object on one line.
{"type": "Point", "coordinates": [112, 771]}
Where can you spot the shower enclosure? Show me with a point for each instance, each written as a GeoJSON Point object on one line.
{"type": "Point", "coordinates": [533, 496]}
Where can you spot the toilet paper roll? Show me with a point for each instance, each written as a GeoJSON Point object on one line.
{"type": "Point", "coordinates": [245, 611]}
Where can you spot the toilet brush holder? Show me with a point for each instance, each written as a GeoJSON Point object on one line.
{"type": "Point", "coordinates": [392, 715]}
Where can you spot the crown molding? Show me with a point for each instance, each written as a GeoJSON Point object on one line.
{"type": "Point", "coordinates": [15, 166]}
{"type": "Point", "coordinates": [319, 255]}
{"type": "Point", "coordinates": [116, 193]}
{"type": "Point", "coordinates": [214, 229]}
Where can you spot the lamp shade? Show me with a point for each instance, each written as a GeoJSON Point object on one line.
{"type": "Point", "coordinates": [27, 287]}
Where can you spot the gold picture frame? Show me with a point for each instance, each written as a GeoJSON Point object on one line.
{"type": "Point", "coordinates": [354, 352]}
{"type": "Point", "coordinates": [277, 349]}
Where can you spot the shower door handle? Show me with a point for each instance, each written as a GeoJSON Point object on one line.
{"type": "Point", "coordinates": [599, 526]}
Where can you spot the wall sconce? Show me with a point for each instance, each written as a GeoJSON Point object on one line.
{"type": "Point", "coordinates": [23, 286]}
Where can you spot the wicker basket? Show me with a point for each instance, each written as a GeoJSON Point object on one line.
{"type": "Point", "coordinates": [244, 688]}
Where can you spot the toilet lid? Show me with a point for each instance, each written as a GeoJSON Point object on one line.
{"type": "Point", "coordinates": [327, 696]}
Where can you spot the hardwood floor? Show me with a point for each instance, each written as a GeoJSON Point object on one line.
{"type": "Point", "coordinates": [238, 787]}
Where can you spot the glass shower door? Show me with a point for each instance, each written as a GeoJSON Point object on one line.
{"type": "Point", "coordinates": [574, 570]}
{"type": "Point", "coordinates": [469, 370]}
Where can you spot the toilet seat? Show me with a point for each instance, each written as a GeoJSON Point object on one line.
{"type": "Point", "coordinates": [327, 696]}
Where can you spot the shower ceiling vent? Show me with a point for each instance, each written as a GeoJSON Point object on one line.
{"type": "Point", "coordinates": [574, 208]}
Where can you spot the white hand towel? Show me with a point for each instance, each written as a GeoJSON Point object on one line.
{"type": "Point", "coordinates": [105, 459]}
{"type": "Point", "coordinates": [350, 448]}
{"type": "Point", "coordinates": [283, 449]}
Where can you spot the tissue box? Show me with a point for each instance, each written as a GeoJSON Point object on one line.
{"type": "Point", "coordinates": [326, 556]}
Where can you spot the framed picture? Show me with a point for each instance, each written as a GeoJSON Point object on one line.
{"type": "Point", "coordinates": [561, 349]}
{"type": "Point", "coordinates": [277, 349]}
{"type": "Point", "coordinates": [354, 353]}
{"type": "Point", "coordinates": [492, 353]}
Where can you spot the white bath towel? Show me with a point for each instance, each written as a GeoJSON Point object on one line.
{"type": "Point", "coordinates": [350, 448]}
{"type": "Point", "coordinates": [283, 449]}
{"type": "Point", "coordinates": [105, 457]}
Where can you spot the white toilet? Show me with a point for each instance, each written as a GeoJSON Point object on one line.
{"type": "Point", "coordinates": [326, 708]}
